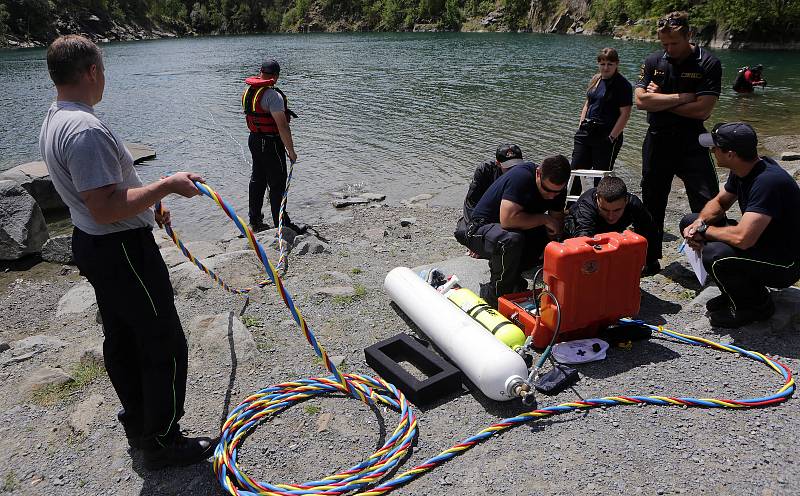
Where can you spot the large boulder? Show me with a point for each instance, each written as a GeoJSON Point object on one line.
{"type": "Point", "coordinates": [58, 249]}
{"type": "Point", "coordinates": [81, 420]}
{"type": "Point", "coordinates": [44, 377]}
{"type": "Point", "coordinates": [79, 299]}
{"type": "Point", "coordinates": [218, 333]}
{"type": "Point", "coordinates": [34, 177]}
{"type": "Point", "coordinates": [189, 281]}
{"type": "Point", "coordinates": [201, 250]}
{"type": "Point", "coordinates": [22, 227]}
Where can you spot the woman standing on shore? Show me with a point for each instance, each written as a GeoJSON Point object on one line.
{"type": "Point", "coordinates": [605, 113]}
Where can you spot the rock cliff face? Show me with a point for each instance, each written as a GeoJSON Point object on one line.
{"type": "Point", "coordinates": [558, 16]}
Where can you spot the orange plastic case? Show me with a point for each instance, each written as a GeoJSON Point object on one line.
{"type": "Point", "coordinates": [596, 281]}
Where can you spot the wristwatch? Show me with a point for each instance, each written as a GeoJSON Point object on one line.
{"type": "Point", "coordinates": [701, 229]}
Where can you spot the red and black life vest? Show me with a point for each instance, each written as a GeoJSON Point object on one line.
{"type": "Point", "coordinates": [259, 121]}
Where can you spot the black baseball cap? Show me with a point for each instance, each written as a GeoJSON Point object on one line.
{"type": "Point", "coordinates": [508, 155]}
{"type": "Point", "coordinates": [270, 66]}
{"type": "Point", "coordinates": [736, 136]}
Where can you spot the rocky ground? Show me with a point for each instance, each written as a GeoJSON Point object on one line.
{"type": "Point", "coordinates": [64, 438]}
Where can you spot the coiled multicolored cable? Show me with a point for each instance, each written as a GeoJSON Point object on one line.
{"type": "Point", "coordinates": [366, 476]}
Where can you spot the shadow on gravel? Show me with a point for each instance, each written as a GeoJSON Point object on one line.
{"type": "Point", "coordinates": [619, 360]}
{"type": "Point", "coordinates": [680, 274]}
{"type": "Point", "coordinates": [764, 339]}
{"type": "Point", "coordinates": [226, 406]}
{"type": "Point", "coordinates": [669, 237]}
{"type": "Point", "coordinates": [652, 309]}
{"type": "Point", "coordinates": [196, 480]}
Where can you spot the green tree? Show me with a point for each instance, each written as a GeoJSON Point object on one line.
{"type": "Point", "coordinates": [272, 18]}
{"type": "Point", "coordinates": [516, 13]}
{"type": "Point", "coordinates": [30, 18]}
{"type": "Point", "coordinates": [452, 17]}
{"type": "Point", "coordinates": [430, 9]}
{"type": "Point", "coordinates": [4, 17]}
{"type": "Point", "coordinates": [392, 15]}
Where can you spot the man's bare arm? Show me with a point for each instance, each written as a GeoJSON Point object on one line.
{"type": "Point", "coordinates": [699, 109]}
{"type": "Point", "coordinates": [657, 102]}
{"type": "Point", "coordinates": [512, 216]}
{"type": "Point", "coordinates": [110, 204]}
{"type": "Point", "coordinates": [286, 134]}
{"type": "Point", "coordinates": [743, 235]}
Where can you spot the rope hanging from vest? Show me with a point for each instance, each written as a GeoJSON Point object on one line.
{"type": "Point", "coordinates": [282, 252]}
{"type": "Point", "coordinates": [261, 406]}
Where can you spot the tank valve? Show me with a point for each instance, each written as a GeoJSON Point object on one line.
{"type": "Point", "coordinates": [529, 399]}
{"type": "Point", "coordinates": [523, 390]}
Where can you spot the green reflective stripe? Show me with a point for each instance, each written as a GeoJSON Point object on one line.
{"type": "Point", "coordinates": [174, 402]}
{"type": "Point", "coordinates": [722, 287]}
{"type": "Point", "coordinates": [140, 279]}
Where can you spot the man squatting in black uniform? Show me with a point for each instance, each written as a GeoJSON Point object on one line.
{"type": "Point", "coordinates": [763, 249]}
{"type": "Point", "coordinates": [610, 208]}
{"type": "Point", "coordinates": [678, 87]}
{"type": "Point", "coordinates": [506, 157]}
{"type": "Point", "coordinates": [515, 219]}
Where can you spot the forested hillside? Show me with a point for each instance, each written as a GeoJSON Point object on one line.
{"type": "Point", "coordinates": [38, 21]}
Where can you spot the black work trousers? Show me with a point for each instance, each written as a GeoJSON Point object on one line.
{"type": "Point", "coordinates": [509, 253]}
{"type": "Point", "coordinates": [593, 150]}
{"type": "Point", "coordinates": [669, 153]}
{"type": "Point", "coordinates": [745, 275]}
{"type": "Point", "coordinates": [145, 349]}
{"type": "Point", "coordinates": [269, 171]}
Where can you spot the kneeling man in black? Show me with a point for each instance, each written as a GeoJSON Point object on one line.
{"type": "Point", "coordinates": [610, 208]}
{"type": "Point", "coordinates": [762, 250]}
{"type": "Point", "coordinates": [515, 219]}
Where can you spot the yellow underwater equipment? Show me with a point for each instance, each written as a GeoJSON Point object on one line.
{"type": "Point", "coordinates": [494, 322]}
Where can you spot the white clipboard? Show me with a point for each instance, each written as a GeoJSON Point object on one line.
{"type": "Point", "coordinates": [695, 259]}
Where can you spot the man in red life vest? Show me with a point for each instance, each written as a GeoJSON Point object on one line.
{"type": "Point", "coordinates": [268, 115]}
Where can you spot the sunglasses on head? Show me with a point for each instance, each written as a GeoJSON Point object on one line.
{"type": "Point", "coordinates": [719, 140]}
{"type": "Point", "coordinates": [672, 22]}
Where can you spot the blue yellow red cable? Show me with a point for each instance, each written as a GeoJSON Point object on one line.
{"type": "Point", "coordinates": [367, 476]}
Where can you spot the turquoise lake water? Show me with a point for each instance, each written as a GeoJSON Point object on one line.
{"type": "Point", "coordinates": [398, 113]}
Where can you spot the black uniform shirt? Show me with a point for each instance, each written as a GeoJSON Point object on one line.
{"type": "Point", "coordinates": [607, 98]}
{"type": "Point", "coordinates": [700, 73]}
{"type": "Point", "coordinates": [485, 175]}
{"type": "Point", "coordinates": [587, 221]}
{"type": "Point", "coordinates": [770, 190]}
{"type": "Point", "coordinates": [519, 186]}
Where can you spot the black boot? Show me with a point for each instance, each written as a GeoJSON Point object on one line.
{"type": "Point", "coordinates": [718, 303]}
{"type": "Point", "coordinates": [488, 294]}
{"type": "Point", "coordinates": [179, 451]}
{"type": "Point", "coordinates": [732, 319]}
{"type": "Point", "coordinates": [257, 225]}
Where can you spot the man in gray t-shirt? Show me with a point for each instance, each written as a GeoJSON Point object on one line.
{"type": "Point", "coordinates": [83, 154]}
{"type": "Point", "coordinates": [145, 350]}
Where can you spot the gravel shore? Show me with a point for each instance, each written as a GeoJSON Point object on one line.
{"type": "Point", "coordinates": [69, 442]}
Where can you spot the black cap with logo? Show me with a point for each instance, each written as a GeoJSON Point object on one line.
{"type": "Point", "coordinates": [735, 136]}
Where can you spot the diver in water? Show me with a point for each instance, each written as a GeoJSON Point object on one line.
{"type": "Point", "coordinates": [748, 78]}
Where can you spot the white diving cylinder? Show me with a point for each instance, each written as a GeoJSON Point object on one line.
{"type": "Point", "coordinates": [487, 362]}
